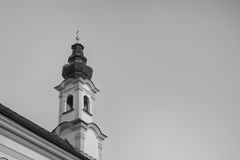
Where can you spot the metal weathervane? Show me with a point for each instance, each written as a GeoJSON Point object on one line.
{"type": "Point", "coordinates": [77, 36]}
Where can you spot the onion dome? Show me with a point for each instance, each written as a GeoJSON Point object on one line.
{"type": "Point", "coordinates": [76, 66]}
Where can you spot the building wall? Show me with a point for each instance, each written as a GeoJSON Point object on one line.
{"type": "Point", "coordinates": [91, 144]}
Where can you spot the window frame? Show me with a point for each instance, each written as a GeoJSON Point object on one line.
{"type": "Point", "coordinates": [86, 107]}
{"type": "Point", "coordinates": [69, 107]}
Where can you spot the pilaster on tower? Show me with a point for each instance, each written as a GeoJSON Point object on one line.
{"type": "Point", "coordinates": [76, 98]}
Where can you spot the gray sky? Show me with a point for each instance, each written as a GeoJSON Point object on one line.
{"type": "Point", "coordinates": [168, 72]}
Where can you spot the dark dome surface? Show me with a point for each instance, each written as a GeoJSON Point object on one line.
{"type": "Point", "coordinates": [76, 66]}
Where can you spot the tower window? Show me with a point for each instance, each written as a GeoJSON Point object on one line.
{"type": "Point", "coordinates": [69, 105]}
{"type": "Point", "coordinates": [86, 104]}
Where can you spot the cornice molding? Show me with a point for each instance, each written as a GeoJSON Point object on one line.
{"type": "Point", "coordinates": [78, 123]}
{"type": "Point", "coordinates": [97, 131]}
{"type": "Point", "coordinates": [91, 85]}
{"type": "Point", "coordinates": [13, 153]}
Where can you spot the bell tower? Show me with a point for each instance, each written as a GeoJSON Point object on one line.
{"type": "Point", "coordinates": [76, 98]}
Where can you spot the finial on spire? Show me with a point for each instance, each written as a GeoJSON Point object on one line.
{"type": "Point", "coordinates": [77, 36]}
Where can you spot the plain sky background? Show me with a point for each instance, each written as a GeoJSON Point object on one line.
{"type": "Point", "coordinates": [168, 71]}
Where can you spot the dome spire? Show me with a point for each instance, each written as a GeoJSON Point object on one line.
{"type": "Point", "coordinates": [76, 66]}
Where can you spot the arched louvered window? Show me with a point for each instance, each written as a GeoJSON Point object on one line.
{"type": "Point", "coordinates": [86, 104]}
{"type": "Point", "coordinates": [69, 105]}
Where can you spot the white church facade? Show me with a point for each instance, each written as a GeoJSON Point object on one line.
{"type": "Point", "coordinates": [76, 137]}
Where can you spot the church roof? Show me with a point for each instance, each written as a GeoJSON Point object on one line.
{"type": "Point", "coordinates": [51, 137]}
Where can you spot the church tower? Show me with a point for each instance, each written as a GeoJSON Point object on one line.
{"type": "Point", "coordinates": [76, 105]}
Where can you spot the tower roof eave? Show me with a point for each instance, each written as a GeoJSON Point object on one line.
{"type": "Point", "coordinates": [88, 82]}
{"type": "Point", "coordinates": [97, 130]}
{"type": "Point", "coordinates": [79, 122]}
